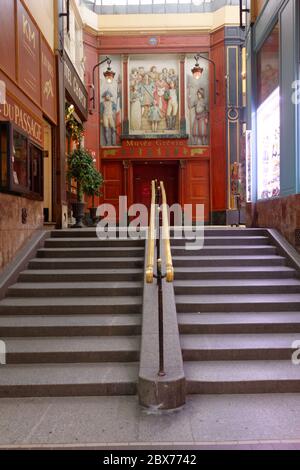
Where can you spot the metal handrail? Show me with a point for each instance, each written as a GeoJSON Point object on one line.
{"type": "Point", "coordinates": [151, 237]}
{"type": "Point", "coordinates": [166, 235]}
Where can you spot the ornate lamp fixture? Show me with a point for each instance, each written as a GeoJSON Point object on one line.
{"type": "Point", "coordinates": [109, 75]}
{"type": "Point", "coordinates": [197, 72]}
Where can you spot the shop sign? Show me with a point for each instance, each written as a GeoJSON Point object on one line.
{"type": "Point", "coordinates": [12, 111]}
{"type": "Point", "coordinates": [29, 55]}
{"type": "Point", "coordinates": [48, 81]}
{"type": "Point", "coordinates": [76, 88]}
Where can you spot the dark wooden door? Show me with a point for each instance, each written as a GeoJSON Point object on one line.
{"type": "Point", "coordinates": [143, 174]}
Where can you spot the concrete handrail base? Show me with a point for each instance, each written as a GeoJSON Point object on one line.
{"type": "Point", "coordinates": [168, 392]}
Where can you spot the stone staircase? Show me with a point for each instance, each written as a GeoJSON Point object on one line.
{"type": "Point", "coordinates": [238, 304]}
{"type": "Point", "coordinates": [72, 323]}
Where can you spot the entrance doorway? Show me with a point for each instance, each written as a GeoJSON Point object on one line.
{"type": "Point", "coordinates": [144, 173]}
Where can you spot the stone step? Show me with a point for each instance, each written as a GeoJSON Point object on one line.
{"type": "Point", "coordinates": [102, 252]}
{"type": "Point", "coordinates": [226, 232]}
{"type": "Point", "coordinates": [75, 233]}
{"type": "Point", "coordinates": [240, 286]}
{"type": "Point", "coordinates": [67, 349]}
{"type": "Point", "coordinates": [70, 325]}
{"type": "Point", "coordinates": [239, 323]}
{"type": "Point", "coordinates": [242, 250]}
{"type": "Point", "coordinates": [75, 289]}
{"type": "Point", "coordinates": [225, 241]}
{"type": "Point", "coordinates": [235, 272]}
{"type": "Point", "coordinates": [88, 275]}
{"type": "Point", "coordinates": [242, 377]}
{"type": "Point", "coordinates": [234, 347]}
{"type": "Point", "coordinates": [92, 243]}
{"type": "Point", "coordinates": [206, 261]}
{"type": "Point", "coordinates": [111, 236]}
{"type": "Point", "coordinates": [55, 380]}
{"type": "Point", "coordinates": [238, 303]}
{"type": "Point", "coordinates": [70, 305]}
{"type": "Point", "coordinates": [208, 231]}
{"type": "Point", "coordinates": [83, 263]}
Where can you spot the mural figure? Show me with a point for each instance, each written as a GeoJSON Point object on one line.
{"type": "Point", "coordinates": [155, 115]}
{"type": "Point", "coordinates": [147, 90]}
{"type": "Point", "coordinates": [154, 101]}
{"type": "Point", "coordinates": [172, 109]}
{"type": "Point", "coordinates": [199, 131]}
{"type": "Point", "coordinates": [136, 109]}
{"type": "Point", "coordinates": [197, 103]}
{"type": "Point", "coordinates": [108, 109]}
{"type": "Point", "coordinates": [111, 105]}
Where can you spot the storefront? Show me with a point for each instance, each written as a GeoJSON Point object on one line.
{"type": "Point", "coordinates": [76, 109]}
{"type": "Point", "coordinates": [273, 135]}
{"type": "Point", "coordinates": [158, 120]}
{"type": "Point", "coordinates": [28, 117]}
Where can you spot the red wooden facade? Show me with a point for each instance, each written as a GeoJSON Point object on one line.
{"type": "Point", "coordinates": [198, 174]}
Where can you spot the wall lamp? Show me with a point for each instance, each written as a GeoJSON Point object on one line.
{"type": "Point", "coordinates": [243, 10]}
{"type": "Point", "coordinates": [109, 75]}
{"type": "Point", "coordinates": [197, 72]}
{"type": "Point", "coordinates": [67, 15]}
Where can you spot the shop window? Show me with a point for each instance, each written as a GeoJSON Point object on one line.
{"type": "Point", "coordinates": [268, 66]}
{"type": "Point", "coordinates": [268, 118]}
{"type": "Point", "coordinates": [36, 169]}
{"type": "Point", "coordinates": [4, 151]}
{"type": "Point", "coordinates": [21, 163]}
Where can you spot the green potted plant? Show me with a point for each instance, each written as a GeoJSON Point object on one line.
{"type": "Point", "coordinates": [81, 169]}
{"type": "Point", "coordinates": [91, 188]}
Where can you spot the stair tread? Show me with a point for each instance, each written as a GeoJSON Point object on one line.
{"type": "Point", "coordinates": [117, 240]}
{"type": "Point", "coordinates": [86, 260]}
{"type": "Point", "coordinates": [95, 249]}
{"type": "Point", "coordinates": [61, 301]}
{"type": "Point", "coordinates": [243, 318]}
{"type": "Point", "coordinates": [227, 371]}
{"type": "Point", "coordinates": [69, 320]}
{"type": "Point", "coordinates": [228, 247]}
{"type": "Point", "coordinates": [48, 374]}
{"type": "Point", "coordinates": [76, 285]}
{"type": "Point", "coordinates": [236, 298]}
{"type": "Point", "coordinates": [72, 344]}
{"type": "Point", "coordinates": [238, 282]}
{"type": "Point", "coordinates": [44, 272]}
{"type": "Point", "coordinates": [239, 341]}
{"type": "Point", "coordinates": [216, 237]}
{"type": "Point", "coordinates": [235, 257]}
{"type": "Point", "coordinates": [242, 269]}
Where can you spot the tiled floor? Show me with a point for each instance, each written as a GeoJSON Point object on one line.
{"type": "Point", "coordinates": [206, 422]}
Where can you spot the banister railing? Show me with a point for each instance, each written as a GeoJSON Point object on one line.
{"type": "Point", "coordinates": [151, 237]}
{"type": "Point", "coordinates": [166, 235]}
{"type": "Point", "coordinates": [159, 207]}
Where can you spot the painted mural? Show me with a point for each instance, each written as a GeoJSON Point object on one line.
{"type": "Point", "coordinates": [197, 103]}
{"type": "Point", "coordinates": [153, 95]}
{"type": "Point", "coordinates": [111, 104]}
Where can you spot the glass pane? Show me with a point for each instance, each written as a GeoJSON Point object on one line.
{"type": "Point", "coordinates": [3, 155]}
{"type": "Point", "coordinates": [36, 170]}
{"type": "Point", "coordinates": [268, 66]}
{"type": "Point", "coordinates": [20, 160]}
{"type": "Point", "coordinates": [268, 147]}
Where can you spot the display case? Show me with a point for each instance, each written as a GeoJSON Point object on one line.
{"type": "Point", "coordinates": [21, 163]}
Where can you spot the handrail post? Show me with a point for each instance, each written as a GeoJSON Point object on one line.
{"type": "Point", "coordinates": [159, 276]}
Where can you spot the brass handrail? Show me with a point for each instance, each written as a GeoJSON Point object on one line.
{"type": "Point", "coordinates": [166, 235]}
{"type": "Point", "coordinates": [151, 237]}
